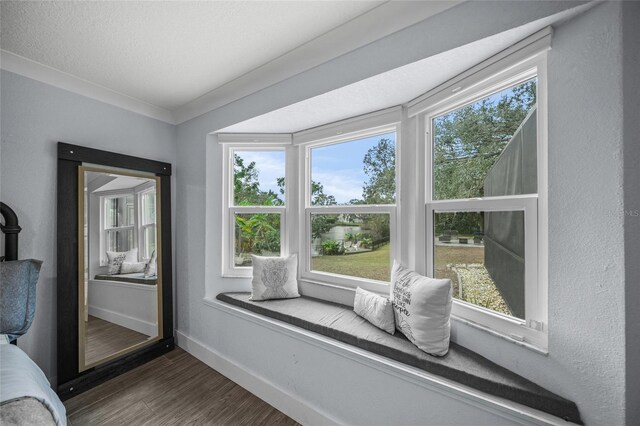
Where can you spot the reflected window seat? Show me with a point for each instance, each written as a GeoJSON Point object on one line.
{"type": "Point", "coordinates": [137, 278]}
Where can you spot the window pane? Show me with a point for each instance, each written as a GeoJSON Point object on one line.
{"type": "Point", "coordinates": [120, 240]}
{"type": "Point", "coordinates": [256, 234]}
{"type": "Point", "coordinates": [149, 207]}
{"type": "Point", "coordinates": [487, 148]}
{"type": "Point", "coordinates": [356, 245]}
{"type": "Point", "coordinates": [361, 171]}
{"type": "Point", "coordinates": [483, 255]}
{"type": "Point", "coordinates": [119, 211]}
{"type": "Point", "coordinates": [258, 178]}
{"type": "Point", "coordinates": [148, 241]}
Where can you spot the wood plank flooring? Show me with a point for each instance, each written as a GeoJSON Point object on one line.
{"type": "Point", "coordinates": [104, 338]}
{"type": "Point", "coordinates": [174, 389]}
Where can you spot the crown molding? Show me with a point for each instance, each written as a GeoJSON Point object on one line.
{"type": "Point", "coordinates": [26, 67]}
{"type": "Point", "coordinates": [389, 17]}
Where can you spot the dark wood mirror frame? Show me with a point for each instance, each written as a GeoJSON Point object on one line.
{"type": "Point", "coordinates": [70, 157]}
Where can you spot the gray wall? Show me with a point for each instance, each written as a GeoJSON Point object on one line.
{"type": "Point", "coordinates": [586, 267]}
{"type": "Point", "coordinates": [587, 259]}
{"type": "Point", "coordinates": [34, 118]}
{"type": "Point", "coordinates": [631, 154]}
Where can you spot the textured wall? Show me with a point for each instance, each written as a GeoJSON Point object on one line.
{"type": "Point", "coordinates": [631, 129]}
{"type": "Point", "coordinates": [586, 307]}
{"type": "Point", "coordinates": [35, 117]}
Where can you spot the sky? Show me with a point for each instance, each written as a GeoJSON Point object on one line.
{"type": "Point", "coordinates": [338, 167]}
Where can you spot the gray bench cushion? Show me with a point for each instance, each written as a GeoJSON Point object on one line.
{"type": "Point", "coordinates": [136, 278]}
{"type": "Point", "coordinates": [461, 365]}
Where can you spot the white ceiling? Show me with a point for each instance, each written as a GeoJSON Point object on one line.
{"type": "Point", "coordinates": [392, 88]}
{"type": "Point", "coordinates": [168, 55]}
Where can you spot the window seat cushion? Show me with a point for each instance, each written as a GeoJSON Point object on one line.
{"type": "Point", "coordinates": [136, 278]}
{"type": "Point", "coordinates": [460, 365]}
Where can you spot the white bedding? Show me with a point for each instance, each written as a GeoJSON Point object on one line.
{"type": "Point", "coordinates": [21, 377]}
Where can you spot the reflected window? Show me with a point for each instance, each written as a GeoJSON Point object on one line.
{"type": "Point", "coordinates": [119, 223]}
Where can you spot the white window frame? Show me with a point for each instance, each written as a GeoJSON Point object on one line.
{"type": "Point", "coordinates": [104, 231]}
{"type": "Point", "coordinates": [513, 70]}
{"type": "Point", "coordinates": [232, 143]}
{"type": "Point", "coordinates": [140, 192]}
{"type": "Point", "coordinates": [377, 123]}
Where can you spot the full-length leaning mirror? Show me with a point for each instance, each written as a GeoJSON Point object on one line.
{"type": "Point", "coordinates": [120, 287]}
{"type": "Point", "coordinates": [114, 265]}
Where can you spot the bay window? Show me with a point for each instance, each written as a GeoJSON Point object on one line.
{"type": "Point", "coordinates": [474, 184]}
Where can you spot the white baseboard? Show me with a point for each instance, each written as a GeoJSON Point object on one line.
{"type": "Point", "coordinates": [301, 411]}
{"type": "Point", "coordinates": [136, 324]}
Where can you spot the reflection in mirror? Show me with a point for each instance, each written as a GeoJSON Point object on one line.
{"type": "Point", "coordinates": [120, 285]}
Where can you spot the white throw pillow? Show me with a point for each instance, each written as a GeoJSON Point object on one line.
{"type": "Point", "coordinates": [422, 308]}
{"type": "Point", "coordinates": [151, 268]}
{"type": "Point", "coordinates": [116, 258]}
{"type": "Point", "coordinates": [274, 277]}
{"type": "Point", "coordinates": [376, 309]}
{"type": "Point", "coordinates": [132, 267]}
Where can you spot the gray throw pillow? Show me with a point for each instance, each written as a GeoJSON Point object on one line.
{"type": "Point", "coordinates": [376, 309]}
{"type": "Point", "coordinates": [18, 295]}
{"type": "Point", "coordinates": [116, 258]}
{"type": "Point", "coordinates": [274, 277]}
{"type": "Point", "coordinates": [132, 267]}
{"type": "Point", "coordinates": [422, 308]}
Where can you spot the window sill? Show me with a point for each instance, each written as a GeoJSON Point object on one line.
{"type": "Point", "coordinates": [459, 371]}
{"type": "Point", "coordinates": [503, 336]}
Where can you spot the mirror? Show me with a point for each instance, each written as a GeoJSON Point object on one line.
{"type": "Point", "coordinates": [114, 265]}
{"type": "Point", "coordinates": [120, 287]}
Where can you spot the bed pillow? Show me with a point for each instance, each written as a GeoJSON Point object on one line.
{"type": "Point", "coordinates": [274, 277]}
{"type": "Point", "coordinates": [132, 267]}
{"type": "Point", "coordinates": [376, 309]}
{"type": "Point", "coordinates": [422, 308]}
{"type": "Point", "coordinates": [116, 258]}
{"type": "Point", "coordinates": [151, 269]}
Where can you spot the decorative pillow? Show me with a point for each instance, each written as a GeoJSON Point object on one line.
{"type": "Point", "coordinates": [376, 309]}
{"type": "Point", "coordinates": [274, 277]}
{"type": "Point", "coordinates": [132, 267]}
{"type": "Point", "coordinates": [116, 258]}
{"type": "Point", "coordinates": [422, 308]}
{"type": "Point", "coordinates": [18, 279]}
{"type": "Point", "coordinates": [151, 269]}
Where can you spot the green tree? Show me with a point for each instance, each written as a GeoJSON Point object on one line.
{"type": "Point", "coordinates": [380, 168]}
{"type": "Point", "coordinates": [380, 188]}
{"type": "Point", "coordinates": [255, 233]}
{"type": "Point", "coordinates": [246, 186]}
{"type": "Point", "coordinates": [468, 142]}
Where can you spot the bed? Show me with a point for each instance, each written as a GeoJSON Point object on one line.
{"type": "Point", "coordinates": [26, 398]}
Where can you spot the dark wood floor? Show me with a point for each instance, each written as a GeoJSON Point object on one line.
{"type": "Point", "coordinates": [174, 389]}
{"type": "Point", "coordinates": [104, 338]}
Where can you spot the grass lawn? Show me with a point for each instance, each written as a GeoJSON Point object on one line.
{"type": "Point", "coordinates": [374, 265]}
